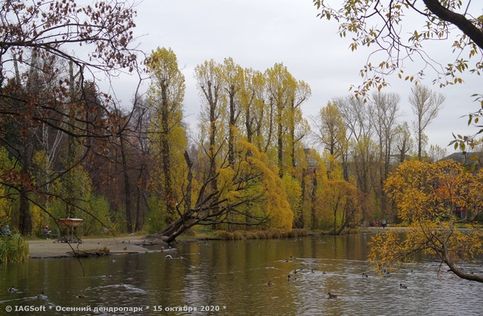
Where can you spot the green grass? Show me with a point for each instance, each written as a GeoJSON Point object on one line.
{"type": "Point", "coordinates": [13, 249]}
{"type": "Point", "coordinates": [252, 234]}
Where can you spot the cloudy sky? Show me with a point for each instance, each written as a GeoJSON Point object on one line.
{"type": "Point", "coordinates": [258, 34]}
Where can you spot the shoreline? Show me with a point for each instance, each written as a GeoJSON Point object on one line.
{"type": "Point", "coordinates": [139, 244]}
{"type": "Point", "coordinates": [51, 248]}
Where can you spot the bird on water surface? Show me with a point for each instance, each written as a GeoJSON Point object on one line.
{"type": "Point", "coordinates": [12, 290]}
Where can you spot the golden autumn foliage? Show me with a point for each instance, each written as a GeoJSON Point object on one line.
{"type": "Point", "coordinates": [340, 206]}
{"type": "Point", "coordinates": [167, 132]}
{"type": "Point", "coordinates": [434, 191]}
{"type": "Point", "coordinates": [430, 197]}
{"type": "Point", "coordinates": [274, 201]}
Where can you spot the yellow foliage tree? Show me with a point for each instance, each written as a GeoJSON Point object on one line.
{"type": "Point", "coordinates": [168, 133]}
{"type": "Point", "coordinates": [266, 186]}
{"type": "Point", "coordinates": [340, 205]}
{"type": "Point", "coordinates": [429, 197]}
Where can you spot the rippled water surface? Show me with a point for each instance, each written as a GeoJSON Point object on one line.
{"type": "Point", "coordinates": [243, 278]}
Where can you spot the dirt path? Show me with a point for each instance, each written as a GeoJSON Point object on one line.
{"type": "Point", "coordinates": [48, 248]}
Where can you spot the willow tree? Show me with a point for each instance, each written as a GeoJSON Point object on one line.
{"type": "Point", "coordinates": [331, 134]}
{"type": "Point", "coordinates": [165, 97]}
{"type": "Point", "coordinates": [281, 87]}
{"type": "Point", "coordinates": [232, 75]}
{"type": "Point", "coordinates": [259, 113]}
{"type": "Point", "coordinates": [285, 96]}
{"type": "Point", "coordinates": [250, 189]}
{"type": "Point", "coordinates": [252, 106]}
{"type": "Point", "coordinates": [297, 126]}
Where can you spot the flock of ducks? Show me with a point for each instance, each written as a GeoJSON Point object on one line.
{"type": "Point", "coordinates": [292, 276]}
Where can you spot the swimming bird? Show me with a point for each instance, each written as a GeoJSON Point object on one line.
{"type": "Point", "coordinates": [12, 290]}
{"type": "Point", "coordinates": [42, 296]}
{"type": "Point", "coordinates": [332, 296]}
{"type": "Point", "coordinates": [269, 283]}
{"type": "Point", "coordinates": [365, 275]}
{"type": "Point", "coordinates": [402, 286]}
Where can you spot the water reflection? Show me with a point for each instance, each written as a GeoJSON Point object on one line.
{"type": "Point", "coordinates": [257, 277]}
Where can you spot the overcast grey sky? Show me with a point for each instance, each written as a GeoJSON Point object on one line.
{"type": "Point", "coordinates": [258, 34]}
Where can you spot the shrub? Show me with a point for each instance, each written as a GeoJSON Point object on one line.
{"type": "Point", "coordinates": [13, 249]}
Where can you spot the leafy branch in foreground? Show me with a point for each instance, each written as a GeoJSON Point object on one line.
{"type": "Point", "coordinates": [431, 197]}
{"type": "Point", "coordinates": [387, 27]}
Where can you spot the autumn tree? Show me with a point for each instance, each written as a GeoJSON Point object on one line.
{"type": "Point", "coordinates": [360, 130]}
{"type": "Point", "coordinates": [340, 202]}
{"type": "Point", "coordinates": [429, 197]}
{"type": "Point", "coordinates": [281, 87]}
{"type": "Point", "coordinates": [426, 105]}
{"type": "Point", "coordinates": [166, 95]}
{"type": "Point", "coordinates": [250, 188]}
{"type": "Point", "coordinates": [210, 83]}
{"type": "Point", "coordinates": [331, 133]}
{"type": "Point", "coordinates": [252, 105]}
{"type": "Point", "coordinates": [384, 108]}
{"type": "Point", "coordinates": [232, 75]}
{"type": "Point", "coordinates": [403, 141]}
{"type": "Point", "coordinates": [37, 31]}
{"type": "Point", "coordinates": [297, 126]}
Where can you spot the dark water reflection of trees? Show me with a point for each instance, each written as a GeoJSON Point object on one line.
{"type": "Point", "coordinates": [246, 278]}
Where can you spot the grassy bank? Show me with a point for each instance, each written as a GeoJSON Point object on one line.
{"type": "Point", "coordinates": [253, 234]}
{"type": "Point", "coordinates": [13, 249]}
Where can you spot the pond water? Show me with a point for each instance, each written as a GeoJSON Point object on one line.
{"type": "Point", "coordinates": [240, 278]}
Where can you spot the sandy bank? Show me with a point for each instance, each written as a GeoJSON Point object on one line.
{"type": "Point", "coordinates": [48, 248]}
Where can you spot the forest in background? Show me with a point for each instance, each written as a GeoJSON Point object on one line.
{"type": "Point", "coordinates": [67, 149]}
{"type": "Point", "coordinates": [256, 162]}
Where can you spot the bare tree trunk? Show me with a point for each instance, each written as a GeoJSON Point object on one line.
{"type": "Point", "coordinates": [270, 127]}
{"type": "Point", "coordinates": [25, 217]}
{"type": "Point", "coordinates": [299, 221]}
{"type": "Point", "coordinates": [280, 141]}
{"type": "Point", "coordinates": [420, 142]}
{"type": "Point", "coordinates": [248, 124]}
{"type": "Point", "coordinates": [292, 135]}
{"type": "Point", "coordinates": [189, 189]}
{"type": "Point", "coordinates": [345, 165]}
{"type": "Point", "coordinates": [138, 225]}
{"type": "Point", "coordinates": [127, 186]}
{"type": "Point", "coordinates": [166, 156]}
{"type": "Point", "coordinates": [231, 126]}
{"type": "Point", "coordinates": [461, 274]}
{"type": "Point", "coordinates": [314, 200]}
